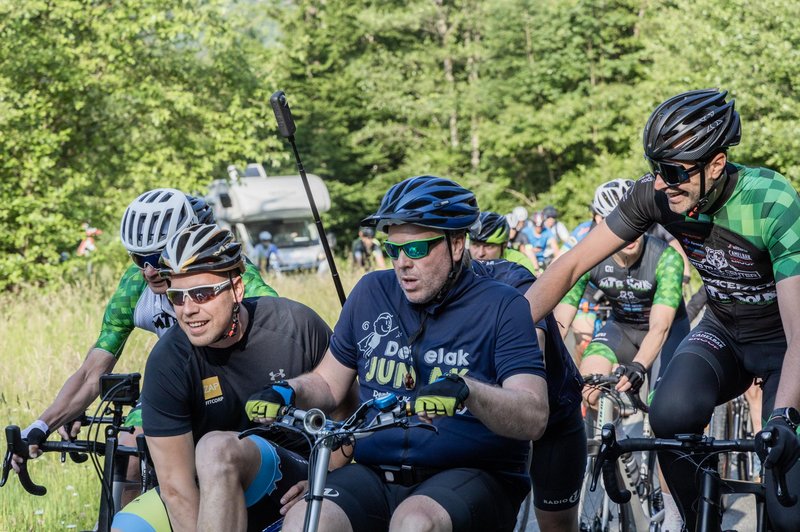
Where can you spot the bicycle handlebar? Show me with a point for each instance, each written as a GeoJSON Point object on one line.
{"type": "Point", "coordinates": [18, 446]}
{"type": "Point", "coordinates": [611, 449]}
{"type": "Point", "coordinates": [313, 422]}
{"type": "Point", "coordinates": [608, 383]}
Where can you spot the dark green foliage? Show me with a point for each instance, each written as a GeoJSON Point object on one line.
{"type": "Point", "coordinates": [528, 102]}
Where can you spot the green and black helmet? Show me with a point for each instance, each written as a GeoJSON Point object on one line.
{"type": "Point", "coordinates": [494, 229]}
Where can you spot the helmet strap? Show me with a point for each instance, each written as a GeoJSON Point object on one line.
{"type": "Point", "coordinates": [234, 328]}
{"type": "Point", "coordinates": [705, 196]}
{"type": "Point", "coordinates": [455, 270]}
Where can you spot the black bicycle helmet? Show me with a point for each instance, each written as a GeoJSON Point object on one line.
{"type": "Point", "coordinates": [692, 126]}
{"type": "Point", "coordinates": [494, 229]}
{"type": "Point", "coordinates": [201, 249]}
{"type": "Point", "coordinates": [427, 201]}
{"type": "Point", "coordinates": [549, 212]}
{"type": "Point", "coordinates": [202, 210]}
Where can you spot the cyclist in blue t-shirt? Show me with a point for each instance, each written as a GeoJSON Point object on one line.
{"type": "Point", "coordinates": [462, 348]}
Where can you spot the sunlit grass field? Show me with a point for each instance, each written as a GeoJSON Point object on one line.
{"type": "Point", "coordinates": [45, 336]}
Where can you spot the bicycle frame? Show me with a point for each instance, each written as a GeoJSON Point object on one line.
{"type": "Point", "coordinates": [635, 476]}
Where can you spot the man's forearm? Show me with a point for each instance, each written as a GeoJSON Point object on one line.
{"type": "Point", "coordinates": [789, 387]}
{"type": "Point", "coordinates": [79, 390]}
{"type": "Point", "coordinates": [547, 291]}
{"type": "Point", "coordinates": [182, 507]}
{"type": "Point", "coordinates": [312, 391]}
{"type": "Point", "coordinates": [513, 413]}
{"type": "Point", "coordinates": [651, 346]}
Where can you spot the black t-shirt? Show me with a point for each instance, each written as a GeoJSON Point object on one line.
{"type": "Point", "coordinates": [201, 389]}
{"type": "Point", "coordinates": [741, 246]}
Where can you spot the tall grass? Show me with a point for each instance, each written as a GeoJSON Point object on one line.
{"type": "Point", "coordinates": [45, 336]}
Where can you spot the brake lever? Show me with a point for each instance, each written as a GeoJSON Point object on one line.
{"type": "Point", "coordinates": [17, 446]}
{"type": "Point", "coordinates": [422, 425]}
{"type": "Point", "coordinates": [76, 457]}
{"type": "Point", "coordinates": [778, 475]}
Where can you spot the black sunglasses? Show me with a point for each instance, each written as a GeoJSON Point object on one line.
{"type": "Point", "coordinates": [143, 260]}
{"type": "Point", "coordinates": [674, 174]}
{"type": "Point", "coordinates": [199, 294]}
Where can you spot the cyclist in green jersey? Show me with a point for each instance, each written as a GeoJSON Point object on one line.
{"type": "Point", "coordinates": [139, 301]}
{"type": "Point", "coordinates": [740, 228]}
{"type": "Point", "coordinates": [490, 241]}
{"type": "Point", "coordinates": [642, 282]}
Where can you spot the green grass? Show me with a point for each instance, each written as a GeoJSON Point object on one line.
{"type": "Point", "coordinates": [45, 336]}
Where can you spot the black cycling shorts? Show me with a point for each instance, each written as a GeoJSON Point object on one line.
{"type": "Point", "coordinates": [710, 367]}
{"type": "Point", "coordinates": [624, 340]}
{"type": "Point", "coordinates": [476, 500]}
{"type": "Point", "coordinates": [266, 510]}
{"type": "Point", "coordinates": [558, 463]}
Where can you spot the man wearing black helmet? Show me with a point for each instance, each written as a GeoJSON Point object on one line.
{"type": "Point", "coordinates": [740, 228]}
{"type": "Point", "coordinates": [139, 301]}
{"type": "Point", "coordinates": [199, 376]}
{"type": "Point", "coordinates": [461, 348]}
{"type": "Point", "coordinates": [490, 241]}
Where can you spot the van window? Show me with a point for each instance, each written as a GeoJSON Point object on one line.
{"type": "Point", "coordinates": [286, 233]}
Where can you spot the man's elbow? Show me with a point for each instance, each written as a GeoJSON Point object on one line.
{"type": "Point", "coordinates": [539, 422]}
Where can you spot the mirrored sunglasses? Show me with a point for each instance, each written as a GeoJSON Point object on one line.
{"type": "Point", "coordinates": [673, 174]}
{"type": "Point", "coordinates": [143, 260]}
{"type": "Point", "coordinates": [415, 249]}
{"type": "Point", "coordinates": [199, 294]}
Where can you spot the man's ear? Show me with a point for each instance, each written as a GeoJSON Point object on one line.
{"type": "Point", "coordinates": [716, 167]}
{"type": "Point", "coordinates": [238, 287]}
{"type": "Point", "coordinates": [458, 243]}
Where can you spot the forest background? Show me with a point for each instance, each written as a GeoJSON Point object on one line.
{"type": "Point", "coordinates": [527, 102]}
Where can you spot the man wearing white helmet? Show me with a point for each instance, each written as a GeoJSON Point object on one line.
{"type": "Point", "coordinates": [139, 301]}
{"type": "Point", "coordinates": [265, 253]}
{"type": "Point", "coordinates": [642, 282]}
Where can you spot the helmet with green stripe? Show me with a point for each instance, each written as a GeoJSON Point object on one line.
{"type": "Point", "coordinates": [494, 229]}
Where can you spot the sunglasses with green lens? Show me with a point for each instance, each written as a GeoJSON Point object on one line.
{"type": "Point", "coordinates": [415, 249]}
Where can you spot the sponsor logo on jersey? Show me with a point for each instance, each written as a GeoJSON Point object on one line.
{"type": "Point", "coordinates": [163, 320]}
{"type": "Point", "coordinates": [212, 391]}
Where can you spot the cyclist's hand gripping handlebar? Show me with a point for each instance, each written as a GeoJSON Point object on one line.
{"type": "Point", "coordinates": [17, 446]}
{"type": "Point", "coordinates": [765, 440]}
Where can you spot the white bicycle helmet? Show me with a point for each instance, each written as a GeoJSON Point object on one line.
{"type": "Point", "coordinates": [153, 218]}
{"type": "Point", "coordinates": [521, 213]}
{"type": "Point", "coordinates": [608, 195]}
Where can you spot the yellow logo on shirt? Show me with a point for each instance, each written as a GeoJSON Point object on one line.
{"type": "Point", "coordinates": [211, 388]}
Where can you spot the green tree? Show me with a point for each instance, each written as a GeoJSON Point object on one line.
{"type": "Point", "coordinates": [100, 101]}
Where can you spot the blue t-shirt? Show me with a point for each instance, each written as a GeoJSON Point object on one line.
{"type": "Point", "coordinates": [482, 329]}
{"type": "Point", "coordinates": [539, 241]}
{"type": "Point", "coordinates": [564, 382]}
{"type": "Point", "coordinates": [577, 235]}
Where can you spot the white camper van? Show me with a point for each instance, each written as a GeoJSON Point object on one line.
{"type": "Point", "coordinates": [251, 203]}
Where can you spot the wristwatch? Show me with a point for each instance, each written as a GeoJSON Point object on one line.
{"type": "Point", "coordinates": [789, 414]}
